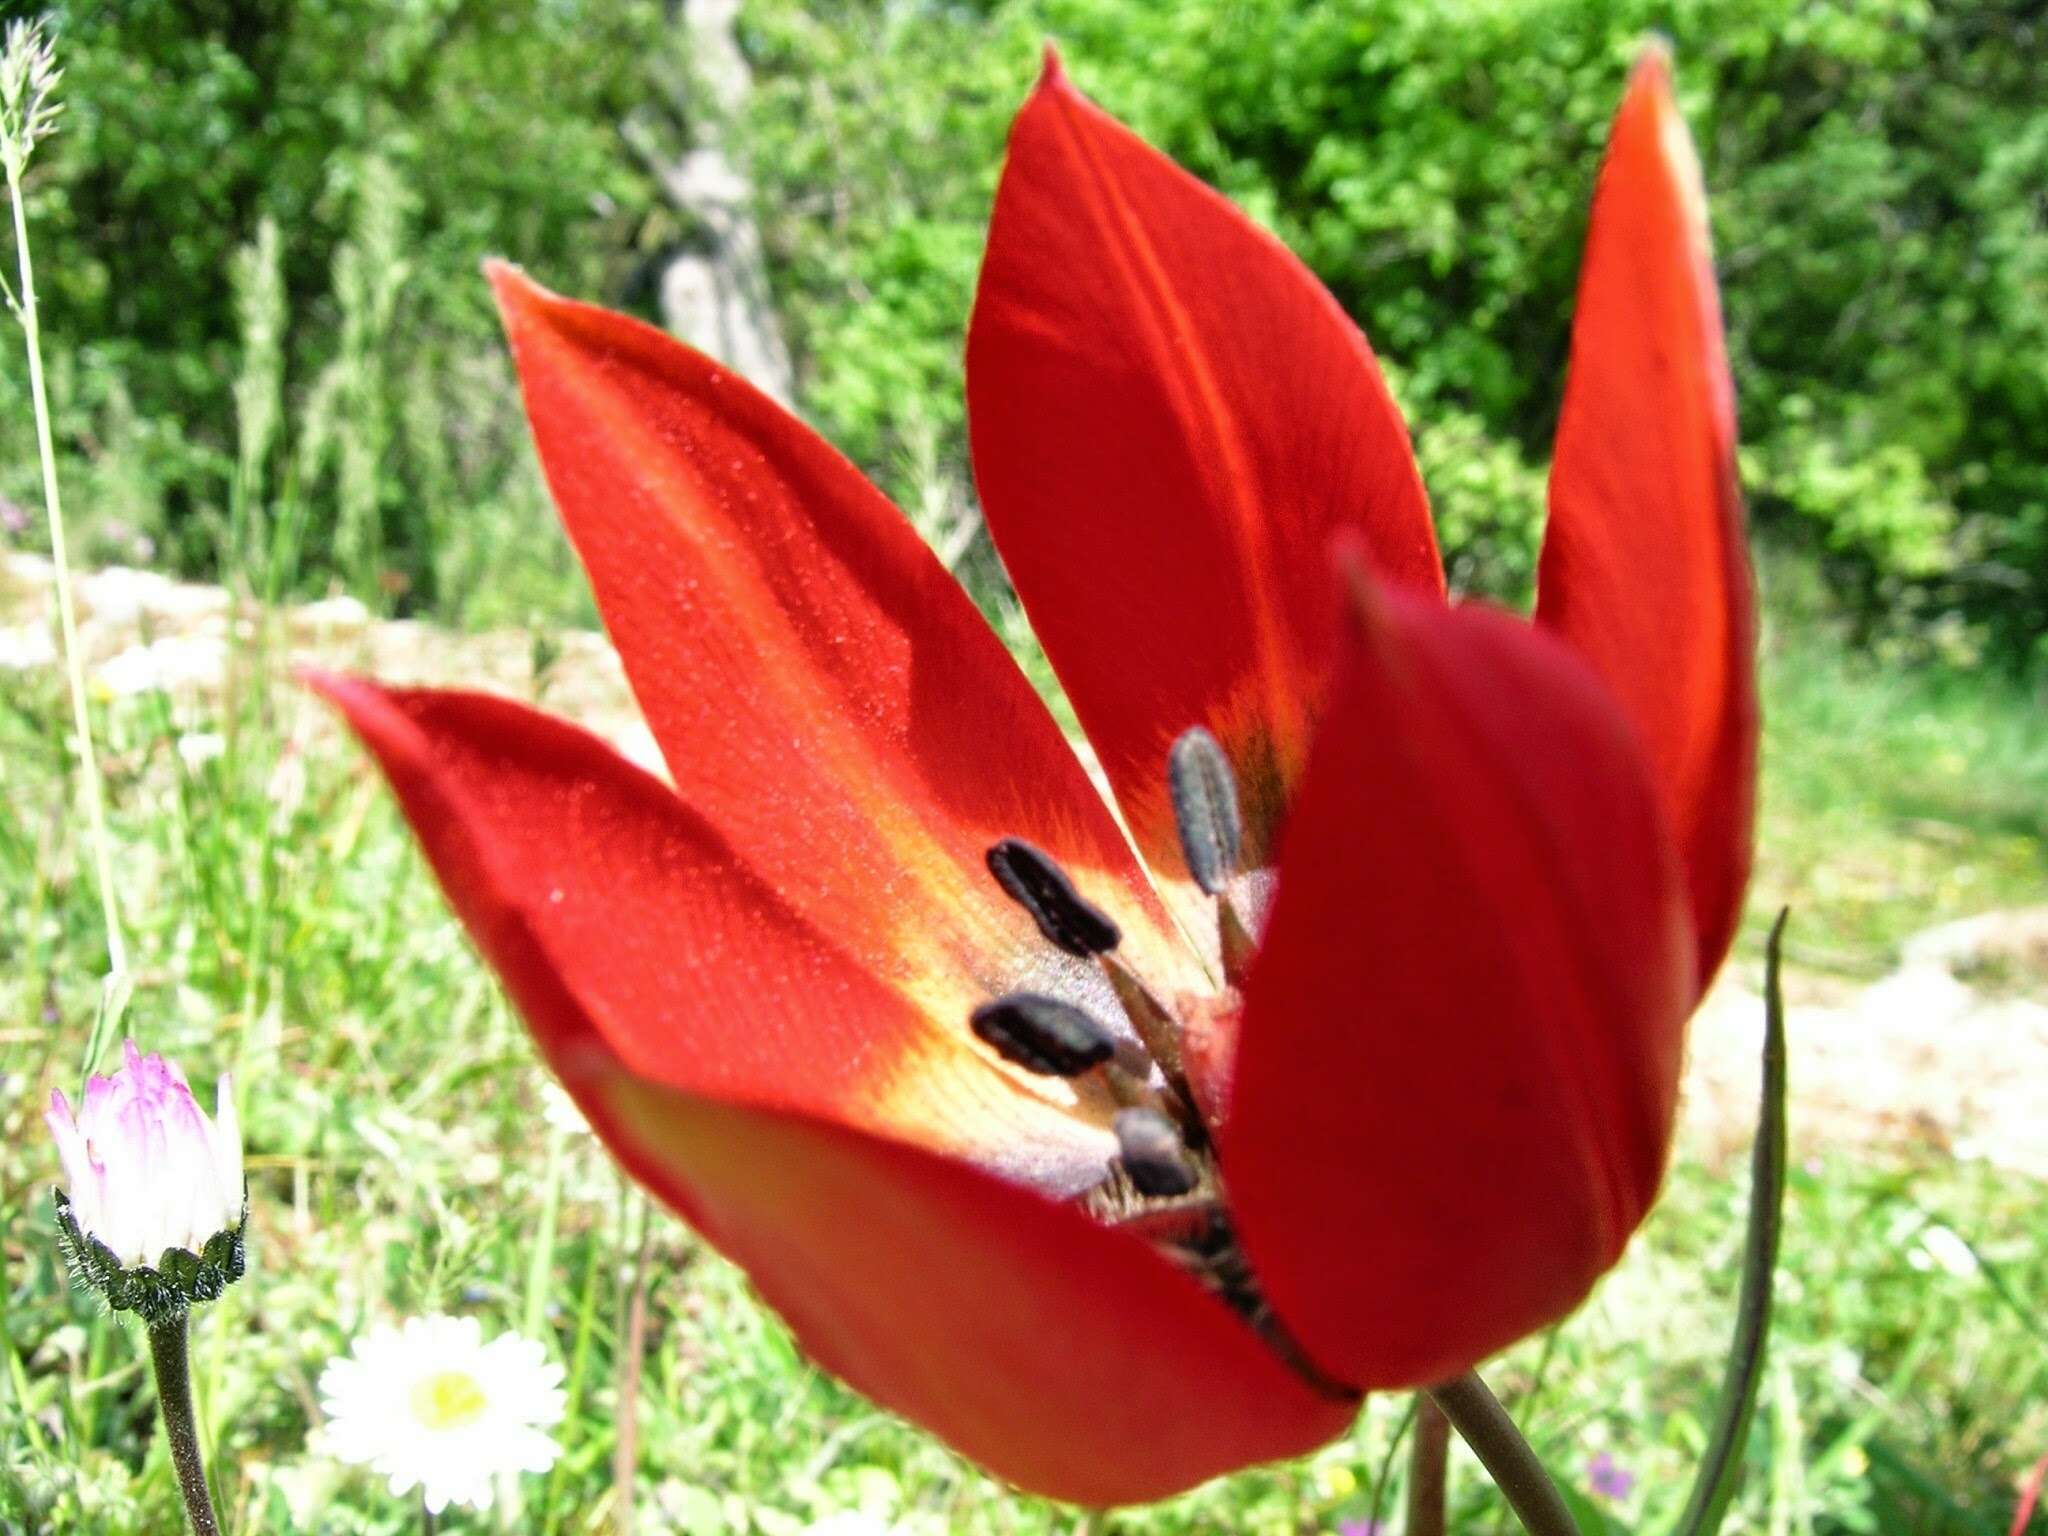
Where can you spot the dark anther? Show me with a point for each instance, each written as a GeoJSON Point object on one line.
{"type": "Point", "coordinates": [1042, 1034]}
{"type": "Point", "coordinates": [1067, 918]}
{"type": "Point", "coordinates": [1204, 792]}
{"type": "Point", "coordinates": [1150, 1147]}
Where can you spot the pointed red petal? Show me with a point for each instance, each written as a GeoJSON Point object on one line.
{"type": "Point", "coordinates": [1169, 417]}
{"type": "Point", "coordinates": [1462, 1033]}
{"type": "Point", "coordinates": [693, 971]}
{"type": "Point", "coordinates": [702, 1027]}
{"type": "Point", "coordinates": [1644, 568]}
{"type": "Point", "coordinates": [1068, 1358]}
{"type": "Point", "coordinates": [824, 693]}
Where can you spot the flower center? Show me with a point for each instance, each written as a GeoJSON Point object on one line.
{"type": "Point", "coordinates": [1164, 1184]}
{"type": "Point", "coordinates": [448, 1400]}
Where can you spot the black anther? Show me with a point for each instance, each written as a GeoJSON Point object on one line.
{"type": "Point", "coordinates": [1204, 793]}
{"type": "Point", "coordinates": [1042, 1034]}
{"type": "Point", "coordinates": [1150, 1148]}
{"type": "Point", "coordinates": [1030, 878]}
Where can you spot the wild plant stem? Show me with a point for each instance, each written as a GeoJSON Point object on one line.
{"type": "Point", "coordinates": [168, 1351]}
{"type": "Point", "coordinates": [540, 1263]}
{"type": "Point", "coordinates": [579, 1358]}
{"type": "Point", "coordinates": [1428, 1470]}
{"type": "Point", "coordinates": [74, 660]}
{"type": "Point", "coordinates": [1485, 1426]}
{"type": "Point", "coordinates": [1386, 1466]}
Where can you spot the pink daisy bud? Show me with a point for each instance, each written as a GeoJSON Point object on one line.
{"type": "Point", "coordinates": [147, 1170]}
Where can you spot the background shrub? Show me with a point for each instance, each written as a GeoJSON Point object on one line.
{"type": "Point", "coordinates": [389, 147]}
{"type": "Point", "coordinates": [1877, 169]}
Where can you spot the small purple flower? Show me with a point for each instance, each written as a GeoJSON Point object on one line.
{"type": "Point", "coordinates": [14, 517]}
{"type": "Point", "coordinates": [1609, 1478]}
{"type": "Point", "coordinates": [1361, 1528]}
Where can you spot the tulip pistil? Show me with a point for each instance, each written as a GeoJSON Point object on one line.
{"type": "Point", "coordinates": [1151, 1020]}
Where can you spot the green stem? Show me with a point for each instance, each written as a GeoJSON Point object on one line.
{"type": "Point", "coordinates": [540, 1264]}
{"type": "Point", "coordinates": [579, 1360]}
{"type": "Point", "coordinates": [1721, 1468]}
{"type": "Point", "coordinates": [1428, 1470]}
{"type": "Point", "coordinates": [74, 661]}
{"type": "Point", "coordinates": [1478, 1416]}
{"type": "Point", "coordinates": [168, 1352]}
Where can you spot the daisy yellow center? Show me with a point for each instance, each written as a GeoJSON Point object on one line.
{"type": "Point", "coordinates": [448, 1400]}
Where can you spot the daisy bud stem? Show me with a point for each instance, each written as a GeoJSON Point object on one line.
{"type": "Point", "coordinates": [168, 1352]}
{"type": "Point", "coordinates": [1478, 1416]}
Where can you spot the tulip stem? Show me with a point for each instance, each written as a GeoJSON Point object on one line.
{"type": "Point", "coordinates": [1428, 1469]}
{"type": "Point", "coordinates": [1478, 1416]}
{"type": "Point", "coordinates": [169, 1353]}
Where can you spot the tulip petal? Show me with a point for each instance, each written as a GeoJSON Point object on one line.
{"type": "Point", "coordinates": [823, 692]}
{"type": "Point", "coordinates": [1462, 1034]}
{"type": "Point", "coordinates": [1170, 417]}
{"type": "Point", "coordinates": [1066, 1356]}
{"type": "Point", "coordinates": [694, 971]}
{"type": "Point", "coordinates": [1644, 568]}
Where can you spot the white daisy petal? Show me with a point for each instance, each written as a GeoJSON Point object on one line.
{"type": "Point", "coordinates": [431, 1405]}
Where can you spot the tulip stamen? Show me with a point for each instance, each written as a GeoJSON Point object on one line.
{"type": "Point", "coordinates": [1031, 877]}
{"type": "Point", "coordinates": [1163, 1184]}
{"type": "Point", "coordinates": [1203, 789]}
{"type": "Point", "coordinates": [1054, 1038]}
{"type": "Point", "coordinates": [1043, 1034]}
{"type": "Point", "coordinates": [1154, 1154]}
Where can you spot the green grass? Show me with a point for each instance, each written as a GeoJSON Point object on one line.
{"type": "Point", "coordinates": [283, 925]}
{"type": "Point", "coordinates": [1894, 796]}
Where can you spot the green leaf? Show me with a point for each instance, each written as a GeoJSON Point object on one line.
{"type": "Point", "coordinates": [1719, 1472]}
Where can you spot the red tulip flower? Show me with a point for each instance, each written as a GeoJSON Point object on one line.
{"type": "Point", "coordinates": [1121, 1169]}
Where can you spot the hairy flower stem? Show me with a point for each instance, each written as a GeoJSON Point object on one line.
{"type": "Point", "coordinates": [88, 764]}
{"type": "Point", "coordinates": [168, 1352]}
{"type": "Point", "coordinates": [1478, 1416]}
{"type": "Point", "coordinates": [1428, 1469]}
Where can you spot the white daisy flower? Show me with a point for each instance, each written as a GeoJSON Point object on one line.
{"type": "Point", "coordinates": [430, 1405]}
{"type": "Point", "coordinates": [174, 664]}
{"type": "Point", "coordinates": [560, 1111]}
{"type": "Point", "coordinates": [198, 748]}
{"type": "Point", "coordinates": [25, 648]}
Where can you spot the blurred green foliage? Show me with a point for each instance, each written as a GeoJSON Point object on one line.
{"type": "Point", "coordinates": [1876, 167]}
{"type": "Point", "coordinates": [1877, 171]}
{"type": "Point", "coordinates": [389, 147]}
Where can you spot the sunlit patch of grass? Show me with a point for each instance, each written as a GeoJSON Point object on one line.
{"type": "Point", "coordinates": [1894, 797]}
{"type": "Point", "coordinates": [285, 926]}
